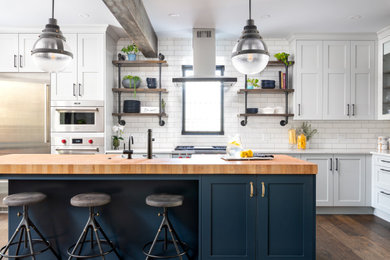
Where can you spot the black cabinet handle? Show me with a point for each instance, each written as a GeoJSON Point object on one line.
{"type": "Point", "coordinates": [347, 109]}
{"type": "Point", "coordinates": [337, 164]}
{"type": "Point", "coordinates": [388, 194]}
{"type": "Point", "coordinates": [331, 164]}
{"type": "Point", "coordinates": [353, 109]}
{"type": "Point", "coordinates": [299, 109]}
{"type": "Point", "coordinates": [385, 170]}
{"type": "Point", "coordinates": [21, 61]}
{"type": "Point", "coordinates": [15, 61]}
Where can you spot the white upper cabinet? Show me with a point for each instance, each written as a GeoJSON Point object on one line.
{"type": "Point", "coordinates": [9, 53]}
{"type": "Point", "coordinates": [90, 66]}
{"type": "Point", "coordinates": [15, 54]}
{"type": "Point", "coordinates": [335, 80]}
{"type": "Point", "coordinates": [384, 76]}
{"type": "Point", "coordinates": [64, 84]}
{"type": "Point", "coordinates": [26, 43]}
{"type": "Point", "coordinates": [83, 79]}
{"type": "Point", "coordinates": [308, 97]}
{"type": "Point", "coordinates": [362, 80]}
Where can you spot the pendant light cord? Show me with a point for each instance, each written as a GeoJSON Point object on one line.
{"type": "Point", "coordinates": [52, 9]}
{"type": "Point", "coordinates": [250, 9]}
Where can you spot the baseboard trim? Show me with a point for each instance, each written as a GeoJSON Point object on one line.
{"type": "Point", "coordinates": [345, 210]}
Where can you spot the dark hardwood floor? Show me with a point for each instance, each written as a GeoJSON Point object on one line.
{"type": "Point", "coordinates": [352, 237]}
{"type": "Point", "coordinates": [339, 237]}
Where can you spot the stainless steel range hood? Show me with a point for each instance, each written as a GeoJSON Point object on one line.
{"type": "Point", "coordinates": [204, 54]}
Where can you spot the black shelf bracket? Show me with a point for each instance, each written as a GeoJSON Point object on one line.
{"type": "Point", "coordinates": [245, 121]}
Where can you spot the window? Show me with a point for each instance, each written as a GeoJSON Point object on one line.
{"type": "Point", "coordinates": [202, 105]}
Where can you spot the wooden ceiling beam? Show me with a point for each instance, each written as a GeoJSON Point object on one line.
{"type": "Point", "coordinates": [131, 14]}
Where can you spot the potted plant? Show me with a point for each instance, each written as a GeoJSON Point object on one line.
{"type": "Point", "coordinates": [118, 131]}
{"type": "Point", "coordinates": [283, 57]}
{"type": "Point", "coordinates": [252, 83]}
{"type": "Point", "coordinates": [131, 81]}
{"type": "Point", "coordinates": [131, 51]}
{"type": "Point", "coordinates": [306, 129]}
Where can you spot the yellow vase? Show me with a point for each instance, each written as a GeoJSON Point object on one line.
{"type": "Point", "coordinates": [301, 141]}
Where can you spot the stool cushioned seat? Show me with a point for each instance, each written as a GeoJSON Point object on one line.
{"type": "Point", "coordinates": [23, 199]}
{"type": "Point", "coordinates": [85, 200]}
{"type": "Point", "coordinates": [164, 200]}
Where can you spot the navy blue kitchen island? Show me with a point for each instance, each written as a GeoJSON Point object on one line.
{"type": "Point", "coordinates": [232, 210]}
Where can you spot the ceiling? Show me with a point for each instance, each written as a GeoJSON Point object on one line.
{"type": "Point", "coordinates": [273, 17]}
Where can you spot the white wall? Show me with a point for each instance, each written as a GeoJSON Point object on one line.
{"type": "Point", "coordinates": [260, 133]}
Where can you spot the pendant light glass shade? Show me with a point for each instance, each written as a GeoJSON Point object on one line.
{"type": "Point", "coordinates": [250, 54]}
{"type": "Point", "coordinates": [50, 52]}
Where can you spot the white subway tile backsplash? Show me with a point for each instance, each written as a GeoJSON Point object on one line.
{"type": "Point", "coordinates": [260, 133]}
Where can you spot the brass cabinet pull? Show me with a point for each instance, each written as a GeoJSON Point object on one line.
{"type": "Point", "coordinates": [262, 189]}
{"type": "Point", "coordinates": [252, 191]}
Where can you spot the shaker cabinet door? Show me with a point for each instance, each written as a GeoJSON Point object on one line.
{"type": "Point", "coordinates": [337, 80]}
{"type": "Point", "coordinates": [286, 217]}
{"type": "Point", "coordinates": [308, 95]}
{"type": "Point", "coordinates": [9, 59]}
{"type": "Point", "coordinates": [90, 67]}
{"type": "Point", "coordinates": [26, 43]}
{"type": "Point", "coordinates": [362, 80]}
{"type": "Point", "coordinates": [228, 217]}
{"type": "Point", "coordinates": [324, 178]}
{"type": "Point", "coordinates": [349, 180]}
{"type": "Point", "coordinates": [64, 83]}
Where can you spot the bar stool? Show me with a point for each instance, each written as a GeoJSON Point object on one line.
{"type": "Point", "coordinates": [165, 201]}
{"type": "Point", "coordinates": [24, 228]}
{"type": "Point", "coordinates": [91, 200]}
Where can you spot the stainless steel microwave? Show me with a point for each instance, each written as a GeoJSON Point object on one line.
{"type": "Point", "coordinates": [77, 116]}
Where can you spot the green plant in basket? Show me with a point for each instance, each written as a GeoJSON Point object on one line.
{"type": "Point", "coordinates": [283, 57]}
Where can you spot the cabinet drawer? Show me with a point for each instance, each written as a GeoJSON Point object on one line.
{"type": "Point", "coordinates": [382, 176]}
{"type": "Point", "coordinates": [382, 161]}
{"type": "Point", "coordinates": [382, 198]}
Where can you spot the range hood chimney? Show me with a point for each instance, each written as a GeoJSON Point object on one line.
{"type": "Point", "coordinates": [203, 45]}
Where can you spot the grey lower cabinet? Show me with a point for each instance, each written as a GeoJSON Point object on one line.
{"type": "Point", "coordinates": [341, 179]}
{"type": "Point", "coordinates": [258, 217]}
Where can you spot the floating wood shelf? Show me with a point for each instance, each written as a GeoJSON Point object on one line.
{"type": "Point", "coordinates": [283, 115]}
{"type": "Point", "coordinates": [140, 63]}
{"type": "Point", "coordinates": [265, 91]}
{"type": "Point", "coordinates": [140, 114]}
{"type": "Point", "coordinates": [140, 90]}
{"type": "Point", "coordinates": [278, 63]}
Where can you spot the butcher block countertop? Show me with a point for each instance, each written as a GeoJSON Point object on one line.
{"type": "Point", "coordinates": [115, 164]}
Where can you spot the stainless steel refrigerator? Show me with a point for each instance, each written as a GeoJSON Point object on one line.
{"type": "Point", "coordinates": [24, 113]}
{"type": "Point", "coordinates": [24, 116]}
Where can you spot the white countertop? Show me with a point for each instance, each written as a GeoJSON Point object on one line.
{"type": "Point", "coordinates": [386, 153]}
{"type": "Point", "coordinates": [273, 151]}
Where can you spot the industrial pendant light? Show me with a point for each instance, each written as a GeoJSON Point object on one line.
{"type": "Point", "coordinates": [250, 54]}
{"type": "Point", "coordinates": [50, 52]}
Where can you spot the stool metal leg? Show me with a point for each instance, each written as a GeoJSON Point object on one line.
{"type": "Point", "coordinates": [97, 238]}
{"type": "Point", "coordinates": [30, 243]}
{"type": "Point", "coordinates": [20, 240]}
{"type": "Point", "coordinates": [155, 238]}
{"type": "Point", "coordinates": [12, 239]}
{"type": "Point", "coordinates": [106, 238]}
{"type": "Point", "coordinates": [174, 240]}
{"type": "Point", "coordinates": [81, 238]}
{"type": "Point", "coordinates": [43, 239]}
